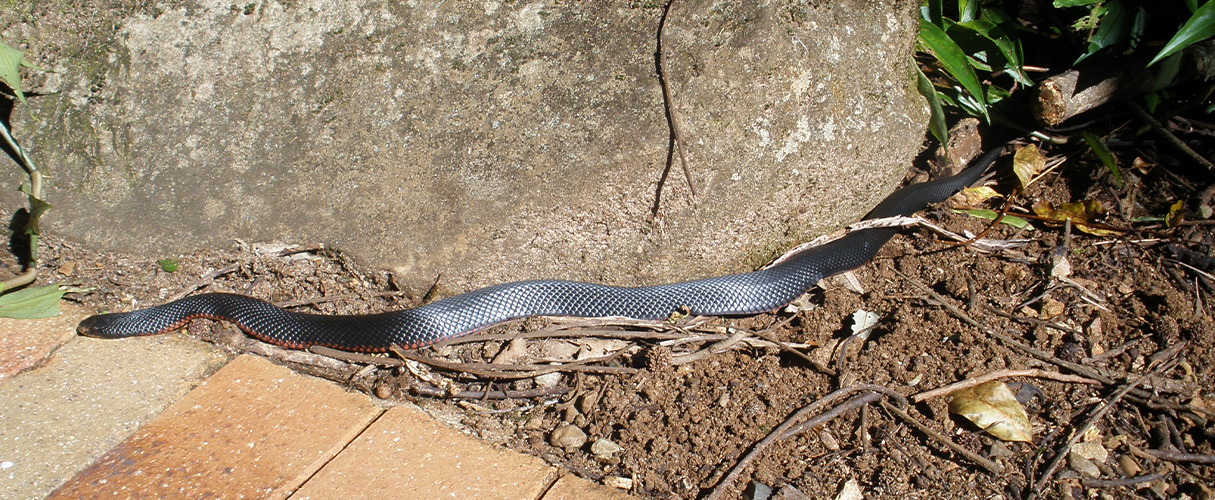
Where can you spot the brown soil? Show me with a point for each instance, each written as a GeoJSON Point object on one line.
{"type": "Point", "coordinates": [681, 428]}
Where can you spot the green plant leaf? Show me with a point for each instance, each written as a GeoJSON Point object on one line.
{"type": "Point", "coordinates": [987, 214]}
{"type": "Point", "coordinates": [34, 302]}
{"type": "Point", "coordinates": [37, 208]}
{"type": "Point", "coordinates": [1103, 153]}
{"type": "Point", "coordinates": [933, 11]}
{"type": "Point", "coordinates": [10, 66]}
{"type": "Point", "coordinates": [1167, 72]}
{"type": "Point", "coordinates": [1074, 3]}
{"type": "Point", "coordinates": [954, 61]}
{"type": "Point", "coordinates": [936, 118]}
{"type": "Point", "coordinates": [968, 10]}
{"type": "Point", "coordinates": [996, 94]}
{"type": "Point", "coordinates": [1113, 27]}
{"type": "Point", "coordinates": [1199, 27]}
{"type": "Point", "coordinates": [1009, 47]}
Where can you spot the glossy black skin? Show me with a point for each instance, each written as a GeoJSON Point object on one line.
{"type": "Point", "coordinates": [736, 294]}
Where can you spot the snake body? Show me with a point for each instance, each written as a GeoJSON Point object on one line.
{"type": "Point", "coordinates": [736, 294]}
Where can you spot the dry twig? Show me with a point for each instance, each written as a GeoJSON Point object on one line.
{"type": "Point", "coordinates": [491, 370]}
{"type": "Point", "coordinates": [720, 490]}
{"type": "Point", "coordinates": [719, 347]}
{"type": "Point", "coordinates": [1169, 137]}
{"type": "Point", "coordinates": [1108, 405]}
{"type": "Point", "coordinates": [992, 467]}
{"type": "Point", "coordinates": [1107, 377]}
{"type": "Point", "coordinates": [1174, 456]}
{"type": "Point", "coordinates": [202, 281]}
{"type": "Point", "coordinates": [435, 392]}
{"type": "Point", "coordinates": [1126, 481]}
{"type": "Point", "coordinates": [355, 357]}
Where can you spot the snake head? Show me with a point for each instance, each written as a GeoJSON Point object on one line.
{"type": "Point", "coordinates": [96, 326]}
{"type": "Point", "coordinates": [115, 326]}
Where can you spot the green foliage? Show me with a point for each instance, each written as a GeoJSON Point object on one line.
{"type": "Point", "coordinates": [955, 61]}
{"type": "Point", "coordinates": [34, 302]}
{"type": "Point", "coordinates": [1010, 220]}
{"type": "Point", "coordinates": [1103, 153]}
{"type": "Point", "coordinates": [967, 39]}
{"type": "Point", "coordinates": [936, 120]}
{"type": "Point", "coordinates": [1199, 27]}
{"type": "Point", "coordinates": [11, 61]}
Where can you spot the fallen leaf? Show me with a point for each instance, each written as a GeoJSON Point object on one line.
{"type": "Point", "coordinates": [1176, 214]}
{"type": "Point", "coordinates": [1028, 162]}
{"type": "Point", "coordinates": [975, 195]}
{"type": "Point", "coordinates": [1082, 214]}
{"type": "Point", "coordinates": [994, 408]}
{"type": "Point", "coordinates": [1143, 166]}
{"type": "Point", "coordinates": [863, 322]}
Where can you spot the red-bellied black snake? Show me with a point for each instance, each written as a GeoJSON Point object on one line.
{"type": "Point", "coordinates": [736, 294]}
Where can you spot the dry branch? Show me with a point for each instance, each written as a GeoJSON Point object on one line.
{"type": "Point", "coordinates": [1078, 90]}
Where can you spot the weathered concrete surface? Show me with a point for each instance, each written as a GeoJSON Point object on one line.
{"type": "Point", "coordinates": [254, 429]}
{"type": "Point", "coordinates": [57, 419]}
{"type": "Point", "coordinates": [28, 343]}
{"type": "Point", "coordinates": [487, 141]}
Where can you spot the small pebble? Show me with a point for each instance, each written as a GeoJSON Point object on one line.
{"type": "Point", "coordinates": [829, 441]}
{"type": "Point", "coordinates": [604, 448]}
{"type": "Point", "coordinates": [850, 491]}
{"type": "Point", "coordinates": [568, 437]}
{"type": "Point", "coordinates": [623, 483]}
{"type": "Point", "coordinates": [999, 450]}
{"type": "Point", "coordinates": [548, 380]}
{"type": "Point", "coordinates": [587, 402]}
{"type": "Point", "coordinates": [1082, 465]}
{"type": "Point", "coordinates": [788, 492]}
{"type": "Point", "coordinates": [1091, 450]}
{"type": "Point", "coordinates": [1129, 466]}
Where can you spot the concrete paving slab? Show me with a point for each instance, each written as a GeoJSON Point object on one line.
{"type": "Point", "coordinates": [254, 429]}
{"type": "Point", "coordinates": [57, 419]}
{"type": "Point", "coordinates": [407, 455]}
{"type": "Point", "coordinates": [575, 488]}
{"type": "Point", "coordinates": [27, 343]}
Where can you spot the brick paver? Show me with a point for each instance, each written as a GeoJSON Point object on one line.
{"type": "Point", "coordinates": [409, 456]}
{"type": "Point", "coordinates": [57, 419]}
{"type": "Point", "coordinates": [575, 488]}
{"type": "Point", "coordinates": [26, 343]}
{"type": "Point", "coordinates": [252, 430]}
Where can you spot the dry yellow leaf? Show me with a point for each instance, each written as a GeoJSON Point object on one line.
{"type": "Point", "coordinates": [1081, 213]}
{"type": "Point", "coordinates": [973, 196]}
{"type": "Point", "coordinates": [1028, 162]}
{"type": "Point", "coordinates": [994, 408]}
